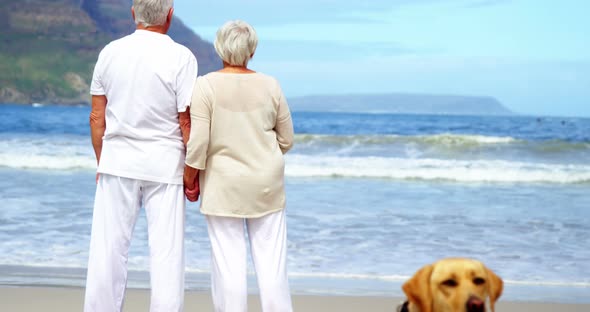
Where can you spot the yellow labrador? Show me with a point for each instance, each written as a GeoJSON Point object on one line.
{"type": "Point", "coordinates": [452, 285]}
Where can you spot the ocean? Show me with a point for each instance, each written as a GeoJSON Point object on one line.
{"type": "Point", "coordinates": [371, 198]}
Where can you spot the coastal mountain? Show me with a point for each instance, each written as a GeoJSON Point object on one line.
{"type": "Point", "coordinates": [400, 103]}
{"type": "Point", "coordinates": [48, 48]}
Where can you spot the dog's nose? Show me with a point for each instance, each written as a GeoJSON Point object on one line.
{"type": "Point", "coordinates": [475, 304]}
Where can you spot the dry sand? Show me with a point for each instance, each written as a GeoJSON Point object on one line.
{"type": "Point", "coordinates": [37, 299]}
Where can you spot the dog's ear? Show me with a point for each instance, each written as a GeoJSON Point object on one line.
{"type": "Point", "coordinates": [495, 287]}
{"type": "Point", "coordinates": [417, 289]}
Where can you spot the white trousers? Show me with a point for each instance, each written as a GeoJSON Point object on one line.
{"type": "Point", "coordinates": [268, 245]}
{"type": "Point", "coordinates": [116, 207]}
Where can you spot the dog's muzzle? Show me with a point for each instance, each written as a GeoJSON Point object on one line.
{"type": "Point", "coordinates": [475, 304]}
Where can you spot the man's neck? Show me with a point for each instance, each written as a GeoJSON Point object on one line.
{"type": "Point", "coordinates": [161, 29]}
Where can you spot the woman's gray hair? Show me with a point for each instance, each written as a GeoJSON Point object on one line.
{"type": "Point", "coordinates": [236, 42]}
{"type": "Point", "coordinates": [151, 12]}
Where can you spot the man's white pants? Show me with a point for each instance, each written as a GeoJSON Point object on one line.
{"type": "Point", "coordinates": [116, 207]}
{"type": "Point", "coordinates": [268, 243]}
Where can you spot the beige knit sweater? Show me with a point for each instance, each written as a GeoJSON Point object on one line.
{"type": "Point", "coordinates": [240, 128]}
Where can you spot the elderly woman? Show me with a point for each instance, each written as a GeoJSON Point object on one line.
{"type": "Point", "coordinates": [240, 128]}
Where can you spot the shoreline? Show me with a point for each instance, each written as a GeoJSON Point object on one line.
{"type": "Point", "coordinates": [71, 299]}
{"type": "Point", "coordinates": [14, 276]}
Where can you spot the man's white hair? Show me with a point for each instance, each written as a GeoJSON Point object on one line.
{"type": "Point", "coordinates": [151, 12]}
{"type": "Point", "coordinates": [236, 42]}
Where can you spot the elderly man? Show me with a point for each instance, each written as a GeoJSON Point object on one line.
{"type": "Point", "coordinates": [141, 89]}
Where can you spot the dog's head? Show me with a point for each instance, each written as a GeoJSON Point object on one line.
{"type": "Point", "coordinates": [453, 285]}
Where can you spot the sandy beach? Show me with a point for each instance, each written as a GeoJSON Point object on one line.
{"type": "Point", "coordinates": [23, 299]}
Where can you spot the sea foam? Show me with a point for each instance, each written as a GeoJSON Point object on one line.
{"type": "Point", "coordinates": [350, 157]}
{"type": "Point", "coordinates": [434, 169]}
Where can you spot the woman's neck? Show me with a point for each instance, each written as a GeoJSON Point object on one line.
{"type": "Point", "coordinates": [235, 69]}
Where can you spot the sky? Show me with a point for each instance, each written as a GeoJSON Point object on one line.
{"type": "Point", "coordinates": [532, 55]}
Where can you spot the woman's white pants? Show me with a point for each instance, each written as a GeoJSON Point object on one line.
{"type": "Point", "coordinates": [116, 207]}
{"type": "Point", "coordinates": [268, 245]}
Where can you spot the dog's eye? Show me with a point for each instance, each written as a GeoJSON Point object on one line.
{"type": "Point", "coordinates": [450, 283]}
{"type": "Point", "coordinates": [479, 281]}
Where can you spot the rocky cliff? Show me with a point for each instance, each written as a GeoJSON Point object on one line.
{"type": "Point", "coordinates": [48, 47]}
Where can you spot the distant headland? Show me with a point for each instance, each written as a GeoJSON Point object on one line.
{"type": "Point", "coordinates": [400, 103]}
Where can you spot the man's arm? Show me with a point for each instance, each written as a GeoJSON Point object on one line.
{"type": "Point", "coordinates": [191, 175]}
{"type": "Point", "coordinates": [98, 123]}
{"type": "Point", "coordinates": [184, 118]}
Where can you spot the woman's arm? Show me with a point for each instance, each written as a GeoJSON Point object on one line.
{"type": "Point", "coordinates": [200, 120]}
{"type": "Point", "coordinates": [198, 141]}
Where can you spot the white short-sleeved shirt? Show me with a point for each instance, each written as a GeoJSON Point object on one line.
{"type": "Point", "coordinates": [147, 79]}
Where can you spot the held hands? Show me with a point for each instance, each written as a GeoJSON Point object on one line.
{"type": "Point", "coordinates": [191, 183]}
{"type": "Point", "coordinates": [192, 194]}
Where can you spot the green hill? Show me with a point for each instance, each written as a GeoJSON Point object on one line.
{"type": "Point", "coordinates": [48, 47]}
